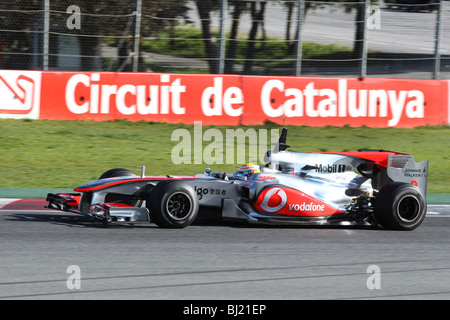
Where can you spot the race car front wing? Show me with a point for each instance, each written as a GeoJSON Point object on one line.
{"type": "Point", "coordinates": [108, 212]}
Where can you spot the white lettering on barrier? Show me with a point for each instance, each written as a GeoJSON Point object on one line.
{"type": "Point", "coordinates": [345, 102]}
{"type": "Point", "coordinates": [219, 100]}
{"type": "Point", "coordinates": [215, 99]}
{"type": "Point", "coordinates": [161, 99]}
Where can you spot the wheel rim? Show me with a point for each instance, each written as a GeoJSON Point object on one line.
{"type": "Point", "coordinates": [178, 206]}
{"type": "Point", "coordinates": [408, 208]}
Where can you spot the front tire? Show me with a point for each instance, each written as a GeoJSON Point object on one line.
{"type": "Point", "coordinates": [117, 198]}
{"type": "Point", "coordinates": [172, 204]}
{"type": "Point", "coordinates": [400, 206]}
{"type": "Point", "coordinates": [117, 172]}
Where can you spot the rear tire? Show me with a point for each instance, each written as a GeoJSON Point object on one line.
{"type": "Point", "coordinates": [400, 206]}
{"type": "Point", "coordinates": [172, 204]}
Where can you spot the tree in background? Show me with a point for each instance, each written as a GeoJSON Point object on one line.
{"type": "Point", "coordinates": [22, 22]}
{"type": "Point", "coordinates": [100, 25]}
{"type": "Point", "coordinates": [239, 7]}
{"type": "Point", "coordinates": [98, 20]}
{"type": "Point", "coordinates": [15, 47]}
{"type": "Point", "coordinates": [204, 8]}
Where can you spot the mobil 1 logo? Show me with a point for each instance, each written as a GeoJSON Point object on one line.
{"type": "Point", "coordinates": [330, 168]}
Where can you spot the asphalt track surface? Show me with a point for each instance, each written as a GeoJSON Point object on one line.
{"type": "Point", "coordinates": [219, 261]}
{"type": "Point", "coordinates": [398, 31]}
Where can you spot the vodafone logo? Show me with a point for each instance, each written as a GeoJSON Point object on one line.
{"type": "Point", "coordinates": [274, 200]}
{"type": "Point", "coordinates": [307, 207]}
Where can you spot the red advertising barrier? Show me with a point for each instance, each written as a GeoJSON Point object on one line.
{"type": "Point", "coordinates": [223, 99]}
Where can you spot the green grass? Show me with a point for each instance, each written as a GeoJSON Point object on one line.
{"type": "Point", "coordinates": [64, 154]}
{"type": "Point", "coordinates": [189, 43]}
{"type": "Point", "coordinates": [270, 52]}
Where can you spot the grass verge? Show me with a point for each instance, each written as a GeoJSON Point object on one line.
{"type": "Point", "coordinates": [64, 154]}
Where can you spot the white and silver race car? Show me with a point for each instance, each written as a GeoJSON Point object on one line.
{"type": "Point", "coordinates": [364, 187]}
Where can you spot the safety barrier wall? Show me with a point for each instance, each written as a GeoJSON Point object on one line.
{"type": "Point", "coordinates": [223, 99]}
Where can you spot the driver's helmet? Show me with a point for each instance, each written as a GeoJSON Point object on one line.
{"type": "Point", "coordinates": [245, 171]}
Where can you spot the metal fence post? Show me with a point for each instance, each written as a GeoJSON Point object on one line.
{"type": "Point", "coordinates": [298, 32]}
{"type": "Point", "coordinates": [137, 35]}
{"type": "Point", "coordinates": [223, 8]}
{"type": "Point", "coordinates": [363, 71]}
{"type": "Point", "coordinates": [437, 40]}
{"type": "Point", "coordinates": [45, 45]}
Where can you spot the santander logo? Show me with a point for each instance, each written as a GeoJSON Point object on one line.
{"type": "Point", "coordinates": [274, 200]}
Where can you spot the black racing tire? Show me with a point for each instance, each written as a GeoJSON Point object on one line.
{"type": "Point", "coordinates": [120, 172]}
{"type": "Point", "coordinates": [172, 204]}
{"type": "Point", "coordinates": [117, 172]}
{"type": "Point", "coordinates": [400, 206]}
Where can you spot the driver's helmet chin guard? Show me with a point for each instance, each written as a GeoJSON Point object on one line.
{"type": "Point", "coordinates": [246, 170]}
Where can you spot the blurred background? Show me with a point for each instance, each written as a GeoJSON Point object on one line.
{"type": "Point", "coordinates": [395, 38]}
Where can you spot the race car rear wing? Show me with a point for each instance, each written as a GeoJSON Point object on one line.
{"type": "Point", "coordinates": [403, 168]}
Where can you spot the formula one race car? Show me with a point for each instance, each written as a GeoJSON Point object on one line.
{"type": "Point", "coordinates": [365, 187]}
